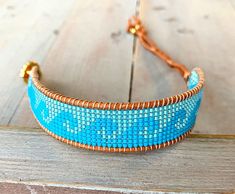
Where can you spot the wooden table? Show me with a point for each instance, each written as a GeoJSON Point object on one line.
{"type": "Point", "coordinates": [86, 53]}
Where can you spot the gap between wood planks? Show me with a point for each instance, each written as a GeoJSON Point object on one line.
{"type": "Point", "coordinates": [22, 97]}
{"type": "Point", "coordinates": [199, 135]}
{"type": "Point", "coordinates": [83, 187]}
{"type": "Point", "coordinates": [133, 54]}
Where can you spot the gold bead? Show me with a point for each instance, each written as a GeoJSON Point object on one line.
{"type": "Point", "coordinates": [133, 30]}
{"type": "Point", "coordinates": [26, 69]}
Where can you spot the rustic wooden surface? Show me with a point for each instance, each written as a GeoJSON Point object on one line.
{"type": "Point", "coordinates": [197, 164]}
{"type": "Point", "coordinates": [199, 33]}
{"type": "Point", "coordinates": [85, 52]}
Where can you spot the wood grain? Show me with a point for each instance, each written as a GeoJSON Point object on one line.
{"type": "Point", "coordinates": [100, 69]}
{"type": "Point", "coordinates": [198, 33]}
{"type": "Point", "coordinates": [193, 165]}
{"type": "Point", "coordinates": [86, 53]}
{"type": "Point", "coordinates": [27, 31]}
{"type": "Point", "coordinates": [91, 58]}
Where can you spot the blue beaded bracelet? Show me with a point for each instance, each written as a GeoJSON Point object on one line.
{"type": "Point", "coordinates": [117, 127]}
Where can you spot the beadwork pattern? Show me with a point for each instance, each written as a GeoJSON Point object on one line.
{"type": "Point", "coordinates": [116, 129]}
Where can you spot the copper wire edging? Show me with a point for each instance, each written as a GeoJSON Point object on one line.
{"type": "Point", "coordinates": [107, 149]}
{"type": "Point", "coordinates": [116, 105]}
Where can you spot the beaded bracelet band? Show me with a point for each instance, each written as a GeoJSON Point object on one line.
{"type": "Point", "coordinates": [117, 127]}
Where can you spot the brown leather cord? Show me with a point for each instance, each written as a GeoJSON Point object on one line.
{"type": "Point", "coordinates": [136, 28]}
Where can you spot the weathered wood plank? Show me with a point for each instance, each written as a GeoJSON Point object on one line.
{"type": "Point", "coordinates": [26, 188]}
{"type": "Point", "coordinates": [195, 164]}
{"type": "Point", "coordinates": [196, 33]}
{"type": "Point", "coordinates": [27, 31]}
{"type": "Point", "coordinates": [91, 58]}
